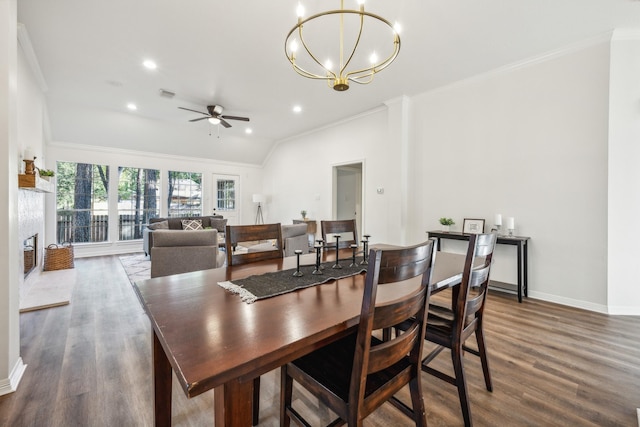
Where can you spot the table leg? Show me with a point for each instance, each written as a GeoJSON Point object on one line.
{"type": "Point", "coordinates": [526, 270]}
{"type": "Point", "coordinates": [161, 384]}
{"type": "Point", "coordinates": [233, 402]}
{"type": "Point", "coordinates": [519, 272]}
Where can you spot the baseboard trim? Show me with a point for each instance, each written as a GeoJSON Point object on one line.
{"type": "Point", "coordinates": [9, 385]}
{"type": "Point", "coordinates": [598, 308]}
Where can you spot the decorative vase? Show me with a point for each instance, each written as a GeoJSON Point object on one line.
{"type": "Point", "coordinates": [445, 228]}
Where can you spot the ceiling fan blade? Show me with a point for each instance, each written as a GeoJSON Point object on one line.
{"type": "Point", "coordinates": [188, 109]}
{"type": "Point", "coordinates": [224, 123]}
{"type": "Point", "coordinates": [244, 119]}
{"type": "Point", "coordinates": [197, 120]}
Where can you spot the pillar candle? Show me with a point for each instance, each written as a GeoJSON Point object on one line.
{"type": "Point", "coordinates": [498, 219]}
{"type": "Point", "coordinates": [28, 153]}
{"type": "Point", "coordinates": [511, 223]}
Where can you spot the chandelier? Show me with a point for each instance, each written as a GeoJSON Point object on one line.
{"type": "Point", "coordinates": [352, 39]}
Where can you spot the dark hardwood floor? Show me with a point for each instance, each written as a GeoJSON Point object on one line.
{"type": "Point", "coordinates": [89, 364]}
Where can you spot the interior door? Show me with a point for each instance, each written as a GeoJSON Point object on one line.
{"type": "Point", "coordinates": [226, 196]}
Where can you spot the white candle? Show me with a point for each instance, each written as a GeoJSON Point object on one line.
{"type": "Point", "coordinates": [498, 219]}
{"type": "Point", "coordinates": [511, 223]}
{"type": "Point", "coordinates": [28, 153]}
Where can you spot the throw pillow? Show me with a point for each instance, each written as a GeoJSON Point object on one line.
{"type": "Point", "coordinates": [192, 224]}
{"type": "Point", "coordinates": [218, 224]}
{"type": "Point", "coordinates": [160, 225]}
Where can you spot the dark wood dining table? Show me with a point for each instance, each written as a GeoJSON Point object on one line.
{"type": "Point", "coordinates": [211, 339]}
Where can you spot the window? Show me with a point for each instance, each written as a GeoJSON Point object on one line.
{"type": "Point", "coordinates": [185, 194]}
{"type": "Point", "coordinates": [138, 201]}
{"type": "Point", "coordinates": [82, 202]}
{"type": "Point", "coordinates": [226, 195]}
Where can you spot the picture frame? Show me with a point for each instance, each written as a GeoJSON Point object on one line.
{"type": "Point", "coordinates": [473, 226]}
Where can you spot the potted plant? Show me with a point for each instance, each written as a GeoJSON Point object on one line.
{"type": "Point", "coordinates": [304, 214]}
{"type": "Point", "coordinates": [446, 224]}
{"type": "Point", "coordinates": [46, 173]}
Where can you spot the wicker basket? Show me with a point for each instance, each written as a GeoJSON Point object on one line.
{"type": "Point", "coordinates": [58, 257]}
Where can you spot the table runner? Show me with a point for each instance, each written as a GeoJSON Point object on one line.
{"type": "Point", "coordinates": [267, 285]}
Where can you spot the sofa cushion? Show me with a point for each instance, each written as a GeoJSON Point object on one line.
{"type": "Point", "coordinates": [218, 223]}
{"type": "Point", "coordinates": [192, 224]}
{"type": "Point", "coordinates": [160, 225]}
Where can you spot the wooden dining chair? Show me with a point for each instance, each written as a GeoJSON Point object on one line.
{"type": "Point", "coordinates": [345, 227]}
{"type": "Point", "coordinates": [236, 234]}
{"type": "Point", "coordinates": [356, 374]}
{"type": "Point", "coordinates": [450, 327]}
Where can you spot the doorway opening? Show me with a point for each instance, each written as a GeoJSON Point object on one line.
{"type": "Point", "coordinates": [347, 193]}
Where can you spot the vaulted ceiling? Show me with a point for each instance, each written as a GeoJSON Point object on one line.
{"type": "Point", "coordinates": [231, 53]}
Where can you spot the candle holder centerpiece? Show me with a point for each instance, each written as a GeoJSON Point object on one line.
{"type": "Point", "coordinates": [337, 264]}
{"type": "Point", "coordinates": [365, 249]}
{"type": "Point", "coordinates": [298, 273]}
{"type": "Point", "coordinates": [318, 248]}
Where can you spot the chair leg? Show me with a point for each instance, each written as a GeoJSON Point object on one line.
{"type": "Point", "coordinates": [461, 383]}
{"type": "Point", "coordinates": [256, 401]}
{"type": "Point", "coordinates": [482, 349]}
{"type": "Point", "coordinates": [286, 390]}
{"type": "Point", "coordinates": [419, 411]}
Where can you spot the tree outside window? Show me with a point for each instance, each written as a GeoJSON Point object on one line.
{"type": "Point", "coordinates": [184, 195]}
{"type": "Point", "coordinates": [82, 202]}
{"type": "Point", "coordinates": [138, 200]}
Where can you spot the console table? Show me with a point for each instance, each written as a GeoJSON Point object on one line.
{"type": "Point", "coordinates": [520, 242]}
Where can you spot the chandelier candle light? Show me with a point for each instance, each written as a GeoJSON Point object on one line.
{"type": "Point", "coordinates": [352, 65]}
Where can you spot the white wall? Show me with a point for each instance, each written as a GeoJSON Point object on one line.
{"type": "Point", "coordinates": [529, 141]}
{"type": "Point", "coordinates": [298, 174]}
{"type": "Point", "coordinates": [250, 182]}
{"type": "Point", "coordinates": [11, 365]}
{"type": "Point", "coordinates": [624, 174]}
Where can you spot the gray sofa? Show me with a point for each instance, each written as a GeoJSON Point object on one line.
{"type": "Point", "coordinates": [215, 221]}
{"type": "Point", "coordinates": [182, 251]}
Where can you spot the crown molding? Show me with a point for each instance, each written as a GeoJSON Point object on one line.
{"type": "Point", "coordinates": [27, 48]}
{"type": "Point", "coordinates": [320, 129]}
{"type": "Point", "coordinates": [547, 56]}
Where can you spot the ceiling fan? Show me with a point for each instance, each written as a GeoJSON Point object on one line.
{"type": "Point", "coordinates": [215, 116]}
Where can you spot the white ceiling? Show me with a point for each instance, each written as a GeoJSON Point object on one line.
{"type": "Point", "coordinates": [232, 53]}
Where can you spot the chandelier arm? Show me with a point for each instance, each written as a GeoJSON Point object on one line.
{"type": "Point", "coordinates": [311, 54]}
{"type": "Point", "coordinates": [355, 46]}
{"type": "Point", "coordinates": [353, 75]}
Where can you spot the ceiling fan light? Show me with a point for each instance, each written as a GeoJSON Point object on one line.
{"type": "Point", "coordinates": [214, 120]}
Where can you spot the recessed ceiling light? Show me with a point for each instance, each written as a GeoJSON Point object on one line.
{"type": "Point", "coordinates": [149, 64]}
{"type": "Point", "coordinates": [297, 109]}
{"type": "Point", "coordinates": [131, 106]}
{"type": "Point", "coordinates": [248, 130]}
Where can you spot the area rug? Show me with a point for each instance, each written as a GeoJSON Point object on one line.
{"type": "Point", "coordinates": [49, 289]}
{"type": "Point", "coordinates": [137, 266]}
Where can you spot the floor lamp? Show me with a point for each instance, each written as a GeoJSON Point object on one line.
{"type": "Point", "coordinates": [259, 199]}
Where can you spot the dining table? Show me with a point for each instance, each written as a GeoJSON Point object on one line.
{"type": "Point", "coordinates": [212, 339]}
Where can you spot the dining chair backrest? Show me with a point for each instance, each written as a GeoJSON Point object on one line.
{"type": "Point", "coordinates": [345, 227]}
{"type": "Point", "coordinates": [389, 267]}
{"type": "Point", "coordinates": [236, 234]}
{"type": "Point", "coordinates": [472, 292]}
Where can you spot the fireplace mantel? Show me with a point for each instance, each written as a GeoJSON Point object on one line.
{"type": "Point", "coordinates": [35, 183]}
